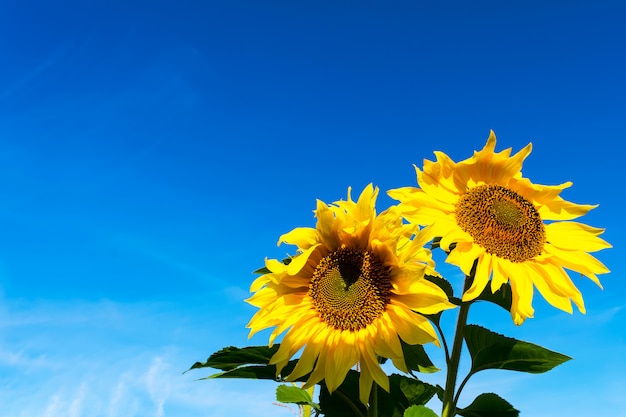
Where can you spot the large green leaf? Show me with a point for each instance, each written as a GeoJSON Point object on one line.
{"type": "Point", "coordinates": [232, 357]}
{"type": "Point", "coordinates": [417, 359]}
{"type": "Point", "coordinates": [489, 405]}
{"type": "Point", "coordinates": [248, 372]}
{"type": "Point", "coordinates": [419, 411]}
{"type": "Point", "coordinates": [403, 393]}
{"type": "Point", "coordinates": [490, 350]}
{"type": "Point", "coordinates": [250, 362]}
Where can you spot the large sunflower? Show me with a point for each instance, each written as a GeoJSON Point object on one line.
{"type": "Point", "coordinates": [349, 295]}
{"type": "Point", "coordinates": [512, 228]}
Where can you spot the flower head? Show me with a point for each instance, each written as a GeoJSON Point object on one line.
{"type": "Point", "coordinates": [515, 231]}
{"type": "Point", "coordinates": [349, 295]}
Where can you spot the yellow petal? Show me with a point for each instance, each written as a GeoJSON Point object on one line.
{"type": "Point", "coordinates": [546, 288]}
{"type": "Point", "coordinates": [425, 298]}
{"type": "Point", "coordinates": [370, 370]}
{"type": "Point", "coordinates": [342, 355]}
{"type": "Point", "coordinates": [578, 261]}
{"type": "Point", "coordinates": [481, 278]}
{"type": "Point", "coordinates": [302, 237]}
{"type": "Point", "coordinates": [298, 261]}
{"type": "Point", "coordinates": [498, 277]}
{"type": "Point", "coordinates": [559, 209]}
{"type": "Point", "coordinates": [522, 289]}
{"type": "Point", "coordinates": [413, 328]}
{"type": "Point", "coordinates": [557, 285]}
{"type": "Point", "coordinates": [464, 255]}
{"type": "Point", "coordinates": [575, 236]}
{"type": "Point", "coordinates": [326, 226]}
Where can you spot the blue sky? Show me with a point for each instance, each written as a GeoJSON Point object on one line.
{"type": "Point", "coordinates": [151, 154]}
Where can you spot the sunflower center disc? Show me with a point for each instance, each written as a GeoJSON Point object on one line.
{"type": "Point", "coordinates": [501, 221]}
{"type": "Point", "coordinates": [350, 288]}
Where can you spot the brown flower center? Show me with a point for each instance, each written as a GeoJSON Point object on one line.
{"type": "Point", "coordinates": [350, 288]}
{"type": "Point", "coordinates": [501, 221]}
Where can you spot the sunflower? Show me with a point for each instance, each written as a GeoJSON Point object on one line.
{"type": "Point", "coordinates": [515, 231]}
{"type": "Point", "coordinates": [349, 294]}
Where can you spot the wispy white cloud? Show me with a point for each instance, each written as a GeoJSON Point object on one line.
{"type": "Point", "coordinates": [116, 360]}
{"type": "Point", "coordinates": [157, 386]}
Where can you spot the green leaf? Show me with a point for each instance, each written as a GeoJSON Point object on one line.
{"type": "Point", "coordinates": [416, 358]}
{"type": "Point", "coordinates": [403, 393]}
{"type": "Point", "coordinates": [232, 357]}
{"type": "Point", "coordinates": [415, 391]}
{"type": "Point", "coordinates": [291, 394]}
{"type": "Point", "coordinates": [248, 372]}
{"type": "Point", "coordinates": [490, 350]}
{"type": "Point", "coordinates": [503, 297]}
{"type": "Point", "coordinates": [439, 391]}
{"type": "Point", "coordinates": [249, 362]}
{"type": "Point", "coordinates": [419, 411]}
{"type": "Point", "coordinates": [489, 405]}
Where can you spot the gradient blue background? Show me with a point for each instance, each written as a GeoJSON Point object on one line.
{"type": "Point", "coordinates": [151, 153]}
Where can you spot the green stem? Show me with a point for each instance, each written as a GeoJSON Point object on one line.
{"type": "Point", "coordinates": [372, 411]}
{"type": "Point", "coordinates": [349, 402]}
{"type": "Point", "coordinates": [458, 392]}
{"type": "Point", "coordinates": [443, 340]}
{"type": "Point", "coordinates": [449, 401]}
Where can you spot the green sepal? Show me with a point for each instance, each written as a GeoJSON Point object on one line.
{"type": "Point", "coordinates": [503, 297]}
{"type": "Point", "coordinates": [446, 287]}
{"type": "Point", "coordinates": [441, 283]}
{"type": "Point", "coordinates": [419, 411]}
{"type": "Point", "coordinates": [490, 350]}
{"type": "Point", "coordinates": [436, 243]}
{"type": "Point", "coordinates": [264, 270]}
{"type": "Point", "coordinates": [290, 394]}
{"type": "Point", "coordinates": [489, 405]}
{"type": "Point", "coordinates": [417, 359]}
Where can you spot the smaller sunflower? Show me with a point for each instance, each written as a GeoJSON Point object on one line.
{"type": "Point", "coordinates": [515, 231]}
{"type": "Point", "coordinates": [349, 295]}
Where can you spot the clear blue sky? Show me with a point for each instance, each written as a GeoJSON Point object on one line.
{"type": "Point", "coordinates": [151, 154]}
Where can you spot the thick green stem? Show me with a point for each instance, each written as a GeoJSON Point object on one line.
{"type": "Point", "coordinates": [449, 400]}
{"type": "Point", "coordinates": [449, 406]}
